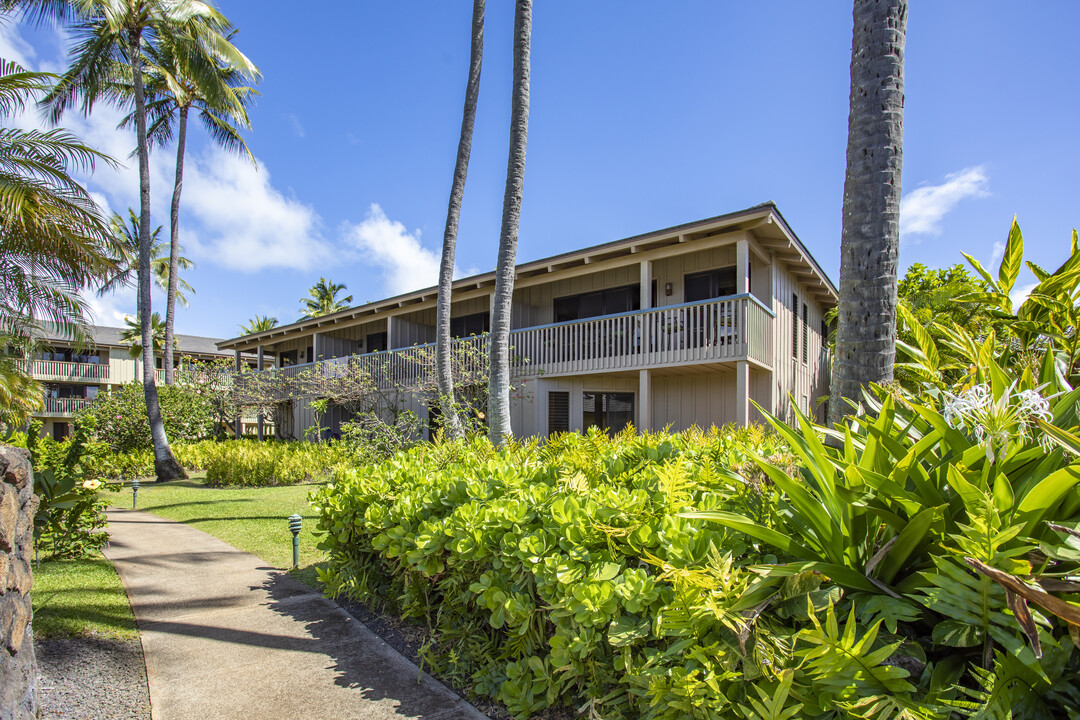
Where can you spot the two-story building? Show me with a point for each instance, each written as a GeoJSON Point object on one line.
{"type": "Point", "coordinates": [72, 376]}
{"type": "Point", "coordinates": [677, 327]}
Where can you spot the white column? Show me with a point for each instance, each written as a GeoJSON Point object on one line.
{"type": "Point", "coordinates": [644, 409]}
{"type": "Point", "coordinates": [314, 347]}
{"type": "Point", "coordinates": [238, 427]}
{"type": "Point", "coordinates": [390, 332]}
{"type": "Point", "coordinates": [259, 417]}
{"type": "Point", "coordinates": [742, 266]}
{"type": "Point", "coordinates": [646, 284]}
{"type": "Point", "coordinates": [742, 393]}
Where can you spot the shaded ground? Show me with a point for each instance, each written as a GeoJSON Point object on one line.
{"type": "Point", "coordinates": [92, 678]}
{"type": "Point", "coordinates": [227, 637]}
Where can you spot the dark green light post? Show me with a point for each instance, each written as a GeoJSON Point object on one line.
{"type": "Point", "coordinates": [294, 526]}
{"type": "Point", "coordinates": [134, 492]}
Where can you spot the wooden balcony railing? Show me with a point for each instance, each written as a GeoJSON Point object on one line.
{"type": "Point", "coordinates": [721, 330]}
{"type": "Point", "coordinates": [735, 328]}
{"type": "Point", "coordinates": [65, 407]}
{"type": "Point", "coordinates": [60, 371]}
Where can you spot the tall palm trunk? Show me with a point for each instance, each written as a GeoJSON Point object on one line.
{"type": "Point", "coordinates": [500, 428]}
{"type": "Point", "coordinates": [444, 373]}
{"type": "Point", "coordinates": [165, 465]}
{"type": "Point", "coordinates": [174, 246]}
{"type": "Point", "coordinates": [870, 240]}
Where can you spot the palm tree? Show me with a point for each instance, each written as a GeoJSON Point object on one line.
{"type": "Point", "coordinates": [111, 34]}
{"type": "Point", "coordinates": [259, 323]}
{"type": "Point", "coordinates": [52, 238]}
{"type": "Point", "coordinates": [132, 335]}
{"type": "Point", "coordinates": [443, 368]}
{"type": "Point", "coordinates": [322, 299]}
{"type": "Point", "coordinates": [499, 381]}
{"type": "Point", "coordinates": [124, 249]}
{"type": "Point", "coordinates": [215, 90]}
{"type": "Point", "coordinates": [870, 240]}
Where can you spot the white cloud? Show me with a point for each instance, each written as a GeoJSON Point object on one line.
{"type": "Point", "coordinates": [1020, 294]}
{"type": "Point", "coordinates": [922, 209]}
{"type": "Point", "coordinates": [407, 265]}
{"type": "Point", "coordinates": [297, 127]}
{"type": "Point", "coordinates": [247, 223]}
{"type": "Point", "coordinates": [14, 48]}
{"type": "Point", "coordinates": [997, 254]}
{"type": "Point", "coordinates": [111, 309]}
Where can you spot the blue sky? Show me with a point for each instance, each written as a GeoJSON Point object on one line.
{"type": "Point", "coordinates": [644, 115]}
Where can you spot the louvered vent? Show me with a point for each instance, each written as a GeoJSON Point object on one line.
{"type": "Point", "coordinates": [558, 412]}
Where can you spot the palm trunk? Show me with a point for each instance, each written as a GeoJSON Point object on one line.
{"type": "Point", "coordinates": [870, 240]}
{"type": "Point", "coordinates": [500, 428]}
{"type": "Point", "coordinates": [165, 465]}
{"type": "Point", "coordinates": [174, 246]}
{"type": "Point", "coordinates": [444, 372]}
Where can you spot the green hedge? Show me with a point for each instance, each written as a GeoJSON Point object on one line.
{"type": "Point", "coordinates": [251, 463]}
{"type": "Point", "coordinates": [555, 574]}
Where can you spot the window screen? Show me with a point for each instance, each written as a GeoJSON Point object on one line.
{"type": "Point", "coordinates": [375, 342]}
{"type": "Point", "coordinates": [558, 411]}
{"type": "Point", "coordinates": [466, 325]}
{"type": "Point", "coordinates": [601, 302]}
{"type": "Point", "coordinates": [610, 411]}
{"type": "Point", "coordinates": [709, 285]}
{"type": "Point", "coordinates": [795, 326]}
{"type": "Point", "coordinates": [805, 332]}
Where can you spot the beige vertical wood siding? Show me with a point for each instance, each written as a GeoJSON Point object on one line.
{"type": "Point", "coordinates": [791, 375]}
{"type": "Point", "coordinates": [704, 400]}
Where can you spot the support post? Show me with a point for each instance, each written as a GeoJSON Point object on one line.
{"type": "Point", "coordinates": [238, 426]}
{"type": "Point", "coordinates": [742, 393]}
{"type": "Point", "coordinates": [742, 266]}
{"type": "Point", "coordinates": [314, 347]}
{"type": "Point", "coordinates": [260, 366]}
{"type": "Point", "coordinates": [646, 284]}
{"type": "Point", "coordinates": [644, 409]}
{"type": "Point", "coordinates": [390, 333]}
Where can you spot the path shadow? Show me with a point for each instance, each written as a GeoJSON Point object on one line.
{"type": "Point", "coordinates": [361, 659]}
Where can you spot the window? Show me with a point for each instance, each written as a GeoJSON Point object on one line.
{"type": "Point", "coordinates": [709, 285]}
{"type": "Point", "coordinates": [558, 411]}
{"type": "Point", "coordinates": [609, 411]}
{"type": "Point", "coordinates": [466, 325]}
{"type": "Point", "coordinates": [375, 342]}
{"type": "Point", "coordinates": [794, 326]}
{"type": "Point", "coordinates": [60, 431]}
{"type": "Point", "coordinates": [601, 302]}
{"type": "Point", "coordinates": [434, 421]}
{"type": "Point", "coordinates": [805, 332]}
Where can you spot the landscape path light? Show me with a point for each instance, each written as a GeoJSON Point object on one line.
{"type": "Point", "coordinates": [295, 522]}
{"type": "Point", "coordinates": [134, 492]}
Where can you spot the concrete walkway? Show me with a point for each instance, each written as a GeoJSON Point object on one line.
{"type": "Point", "coordinates": [226, 637]}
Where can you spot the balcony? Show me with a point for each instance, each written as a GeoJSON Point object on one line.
{"type": "Point", "coordinates": [64, 407]}
{"type": "Point", "coordinates": [728, 329]}
{"type": "Point", "coordinates": [723, 330]}
{"type": "Point", "coordinates": [60, 371]}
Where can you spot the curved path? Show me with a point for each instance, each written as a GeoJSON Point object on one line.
{"type": "Point", "coordinates": [226, 637]}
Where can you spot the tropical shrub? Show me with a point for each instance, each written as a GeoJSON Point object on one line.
{"type": "Point", "coordinates": [70, 520]}
{"type": "Point", "coordinates": [562, 574]}
{"type": "Point", "coordinates": [251, 463]}
{"type": "Point", "coordinates": [945, 511]}
{"type": "Point", "coordinates": [118, 418]}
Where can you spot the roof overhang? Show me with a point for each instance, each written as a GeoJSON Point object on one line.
{"type": "Point", "coordinates": [765, 223]}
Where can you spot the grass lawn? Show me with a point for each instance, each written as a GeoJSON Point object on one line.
{"type": "Point", "coordinates": [254, 520]}
{"type": "Point", "coordinates": [80, 597]}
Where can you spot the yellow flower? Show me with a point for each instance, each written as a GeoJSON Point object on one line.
{"type": "Point", "coordinates": [91, 484]}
